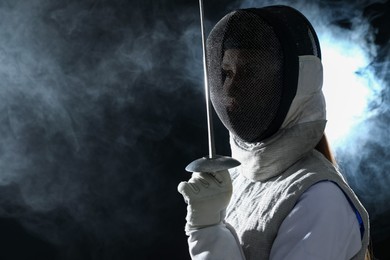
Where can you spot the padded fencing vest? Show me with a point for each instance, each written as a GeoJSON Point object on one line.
{"type": "Point", "coordinates": [258, 208]}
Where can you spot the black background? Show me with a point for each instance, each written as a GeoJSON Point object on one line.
{"type": "Point", "coordinates": [102, 108]}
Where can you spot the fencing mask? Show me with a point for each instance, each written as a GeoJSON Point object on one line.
{"type": "Point", "coordinates": [253, 67]}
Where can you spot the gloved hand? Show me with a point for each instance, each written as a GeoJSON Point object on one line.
{"type": "Point", "coordinates": [207, 196]}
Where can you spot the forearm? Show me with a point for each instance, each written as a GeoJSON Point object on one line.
{"type": "Point", "coordinates": [214, 243]}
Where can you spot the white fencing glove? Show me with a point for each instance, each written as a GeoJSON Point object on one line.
{"type": "Point", "coordinates": [207, 196]}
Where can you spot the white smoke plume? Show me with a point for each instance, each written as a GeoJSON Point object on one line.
{"type": "Point", "coordinates": [94, 97]}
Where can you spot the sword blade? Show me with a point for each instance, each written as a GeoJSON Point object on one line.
{"type": "Point", "coordinates": [210, 129]}
{"type": "Point", "coordinates": [213, 162]}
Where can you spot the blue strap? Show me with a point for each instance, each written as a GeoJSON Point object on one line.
{"type": "Point", "coordinates": [357, 213]}
{"type": "Point", "coordinates": [360, 220]}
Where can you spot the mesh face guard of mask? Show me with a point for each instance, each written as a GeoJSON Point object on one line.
{"type": "Point", "coordinates": [253, 67]}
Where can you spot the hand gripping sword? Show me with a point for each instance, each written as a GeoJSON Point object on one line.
{"type": "Point", "coordinates": [213, 162]}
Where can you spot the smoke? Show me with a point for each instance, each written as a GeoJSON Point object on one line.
{"type": "Point", "coordinates": [101, 108]}
{"type": "Point", "coordinates": [356, 85]}
{"type": "Point", "coordinates": [94, 101]}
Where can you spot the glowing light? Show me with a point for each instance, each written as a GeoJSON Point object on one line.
{"type": "Point", "coordinates": [348, 82]}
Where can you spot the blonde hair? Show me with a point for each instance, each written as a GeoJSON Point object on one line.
{"type": "Point", "coordinates": [324, 148]}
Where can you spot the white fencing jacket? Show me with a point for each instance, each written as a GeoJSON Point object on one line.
{"type": "Point", "coordinates": [288, 201]}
